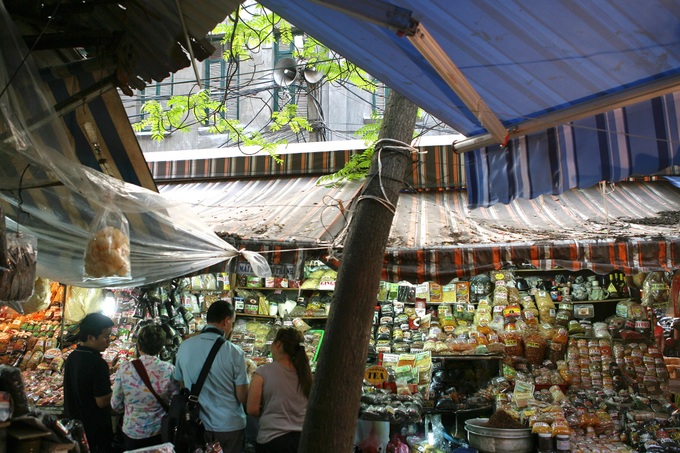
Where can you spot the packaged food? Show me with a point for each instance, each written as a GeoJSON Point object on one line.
{"type": "Point", "coordinates": [514, 345]}
{"type": "Point", "coordinates": [535, 346]}
{"type": "Point", "coordinates": [558, 345]}
{"type": "Point", "coordinates": [584, 311]}
{"type": "Point", "coordinates": [655, 290]}
{"type": "Point", "coordinates": [108, 250]}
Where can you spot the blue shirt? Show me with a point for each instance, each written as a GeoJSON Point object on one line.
{"type": "Point", "coordinates": [220, 409]}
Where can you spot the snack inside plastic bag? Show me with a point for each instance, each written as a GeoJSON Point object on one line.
{"type": "Point", "coordinates": [17, 282]}
{"type": "Point", "coordinates": [108, 251]}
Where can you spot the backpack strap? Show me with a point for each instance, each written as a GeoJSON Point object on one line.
{"type": "Point", "coordinates": [141, 370]}
{"type": "Point", "coordinates": [198, 385]}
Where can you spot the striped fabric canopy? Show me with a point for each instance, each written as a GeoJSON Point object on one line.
{"type": "Point", "coordinates": [629, 226]}
{"type": "Point", "coordinates": [637, 140]}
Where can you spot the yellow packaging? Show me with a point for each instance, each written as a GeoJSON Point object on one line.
{"type": "Point", "coordinates": [436, 294]}
{"type": "Point", "coordinates": [463, 292]}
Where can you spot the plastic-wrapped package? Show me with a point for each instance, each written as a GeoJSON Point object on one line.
{"type": "Point", "coordinates": [17, 283]}
{"type": "Point", "coordinates": [108, 251]}
{"type": "Point", "coordinates": [40, 299]}
{"type": "Point", "coordinates": [655, 290]}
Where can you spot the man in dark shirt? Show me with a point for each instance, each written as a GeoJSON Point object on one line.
{"type": "Point", "coordinates": [87, 382]}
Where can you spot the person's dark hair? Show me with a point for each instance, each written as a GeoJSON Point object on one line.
{"type": "Point", "coordinates": [292, 341]}
{"type": "Point", "coordinates": [219, 311]}
{"type": "Point", "coordinates": [151, 339]}
{"type": "Point", "coordinates": [93, 324]}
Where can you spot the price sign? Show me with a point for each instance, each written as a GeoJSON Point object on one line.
{"type": "Point", "coordinates": [375, 374]}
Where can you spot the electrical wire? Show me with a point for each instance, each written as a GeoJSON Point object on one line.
{"type": "Point", "coordinates": [35, 43]}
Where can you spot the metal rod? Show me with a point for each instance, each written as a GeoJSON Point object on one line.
{"type": "Point", "coordinates": [189, 48]}
{"type": "Point", "coordinates": [447, 69]}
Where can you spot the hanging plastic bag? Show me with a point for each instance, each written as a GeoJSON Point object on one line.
{"type": "Point", "coordinates": [655, 290]}
{"type": "Point", "coordinates": [16, 283]}
{"type": "Point", "coordinates": [258, 263]}
{"type": "Point", "coordinates": [40, 299]}
{"type": "Point", "coordinates": [108, 252]}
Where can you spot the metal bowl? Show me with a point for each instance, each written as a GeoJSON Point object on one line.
{"type": "Point", "coordinates": [498, 440]}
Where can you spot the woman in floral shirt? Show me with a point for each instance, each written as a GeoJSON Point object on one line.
{"type": "Point", "coordinates": [143, 412]}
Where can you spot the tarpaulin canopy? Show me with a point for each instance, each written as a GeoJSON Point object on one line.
{"type": "Point", "coordinates": [501, 70]}
{"type": "Point", "coordinates": [527, 60]}
{"type": "Point", "coordinates": [47, 192]}
{"type": "Point", "coordinates": [640, 139]}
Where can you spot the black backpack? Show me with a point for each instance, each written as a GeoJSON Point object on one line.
{"type": "Point", "coordinates": [182, 425]}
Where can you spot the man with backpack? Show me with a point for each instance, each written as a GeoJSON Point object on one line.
{"type": "Point", "coordinates": [225, 389]}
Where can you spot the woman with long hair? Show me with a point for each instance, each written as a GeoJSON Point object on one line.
{"type": "Point", "coordinates": [279, 392]}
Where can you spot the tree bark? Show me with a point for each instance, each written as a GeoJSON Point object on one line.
{"type": "Point", "coordinates": [333, 407]}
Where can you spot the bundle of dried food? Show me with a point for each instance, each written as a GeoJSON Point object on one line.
{"type": "Point", "coordinates": [503, 420]}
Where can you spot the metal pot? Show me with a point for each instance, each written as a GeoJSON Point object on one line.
{"type": "Point", "coordinates": [492, 440]}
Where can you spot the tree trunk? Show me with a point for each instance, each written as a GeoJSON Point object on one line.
{"type": "Point", "coordinates": [333, 407]}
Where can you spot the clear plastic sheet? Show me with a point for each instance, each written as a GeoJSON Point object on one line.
{"type": "Point", "coordinates": [44, 190]}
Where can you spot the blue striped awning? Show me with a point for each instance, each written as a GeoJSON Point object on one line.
{"type": "Point", "coordinates": [531, 64]}
{"type": "Point", "coordinates": [637, 140]}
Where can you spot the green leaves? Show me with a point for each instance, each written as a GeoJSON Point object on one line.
{"type": "Point", "coordinates": [288, 117]}
{"type": "Point", "coordinates": [244, 33]}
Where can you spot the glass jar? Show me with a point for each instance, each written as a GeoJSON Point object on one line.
{"type": "Point", "coordinates": [563, 443]}
{"type": "Point", "coordinates": [545, 443]}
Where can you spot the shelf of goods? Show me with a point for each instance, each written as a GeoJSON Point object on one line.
{"type": "Point", "coordinates": [501, 340]}
{"type": "Point", "coordinates": [254, 334]}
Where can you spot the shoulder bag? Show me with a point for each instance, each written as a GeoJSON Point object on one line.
{"type": "Point", "coordinates": [141, 370]}
{"type": "Point", "coordinates": [182, 424]}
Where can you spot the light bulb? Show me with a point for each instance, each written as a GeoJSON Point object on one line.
{"type": "Point", "coordinates": [109, 304]}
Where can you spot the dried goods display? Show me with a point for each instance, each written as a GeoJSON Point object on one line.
{"type": "Point", "coordinates": [561, 358]}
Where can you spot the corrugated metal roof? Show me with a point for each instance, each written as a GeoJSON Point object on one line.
{"type": "Point", "coordinates": [296, 209]}
{"type": "Point", "coordinates": [627, 209]}
{"type": "Point", "coordinates": [270, 210]}
{"type": "Point", "coordinates": [146, 40]}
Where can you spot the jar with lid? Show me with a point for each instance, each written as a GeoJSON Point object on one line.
{"type": "Point", "coordinates": [545, 443]}
{"type": "Point", "coordinates": [565, 313]}
{"type": "Point", "coordinates": [563, 443]}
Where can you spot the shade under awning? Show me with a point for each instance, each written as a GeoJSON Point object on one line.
{"type": "Point", "coordinates": [630, 226]}
{"type": "Point", "coordinates": [45, 191]}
